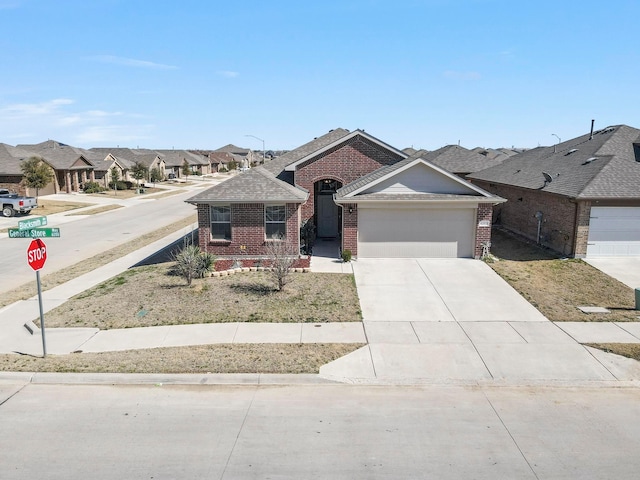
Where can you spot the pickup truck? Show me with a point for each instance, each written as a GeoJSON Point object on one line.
{"type": "Point", "coordinates": [13, 203]}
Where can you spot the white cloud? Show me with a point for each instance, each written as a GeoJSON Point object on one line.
{"type": "Point", "coordinates": [457, 75]}
{"type": "Point", "coordinates": [35, 122]}
{"type": "Point", "coordinates": [131, 62]}
{"type": "Point", "coordinates": [228, 73]}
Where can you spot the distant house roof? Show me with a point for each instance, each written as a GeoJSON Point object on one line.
{"type": "Point", "coordinates": [176, 158]}
{"type": "Point", "coordinates": [222, 158]}
{"type": "Point", "coordinates": [11, 159]}
{"type": "Point", "coordinates": [457, 159]}
{"type": "Point", "coordinates": [234, 149]}
{"type": "Point", "coordinates": [61, 156]}
{"type": "Point", "coordinates": [605, 166]}
{"type": "Point", "coordinates": [254, 185]}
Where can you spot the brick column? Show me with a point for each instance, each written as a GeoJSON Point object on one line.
{"type": "Point", "coordinates": [581, 233]}
{"type": "Point", "coordinates": [350, 228]}
{"type": "Point", "coordinates": [483, 227]}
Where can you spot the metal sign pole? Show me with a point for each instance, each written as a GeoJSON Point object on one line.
{"type": "Point", "coordinates": [44, 342]}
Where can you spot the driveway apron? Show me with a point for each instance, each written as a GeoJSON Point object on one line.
{"type": "Point", "coordinates": [456, 320]}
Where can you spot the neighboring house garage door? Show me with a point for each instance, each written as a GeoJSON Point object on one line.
{"type": "Point", "coordinates": [614, 231]}
{"type": "Point", "coordinates": [415, 232]}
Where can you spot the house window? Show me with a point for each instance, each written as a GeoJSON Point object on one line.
{"type": "Point", "coordinates": [221, 222]}
{"type": "Point", "coordinates": [275, 221]}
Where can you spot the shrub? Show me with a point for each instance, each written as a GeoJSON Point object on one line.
{"type": "Point", "coordinates": [119, 185]}
{"type": "Point", "coordinates": [346, 255]}
{"type": "Point", "coordinates": [92, 187]}
{"type": "Point", "coordinates": [192, 263]}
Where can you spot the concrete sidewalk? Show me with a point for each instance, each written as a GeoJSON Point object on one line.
{"type": "Point", "coordinates": [425, 321]}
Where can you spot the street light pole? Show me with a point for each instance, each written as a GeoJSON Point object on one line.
{"type": "Point", "coordinates": [258, 138]}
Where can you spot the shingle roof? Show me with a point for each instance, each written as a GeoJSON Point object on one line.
{"type": "Point", "coordinates": [231, 148]}
{"type": "Point", "coordinates": [372, 177]}
{"type": "Point", "coordinates": [607, 166]}
{"type": "Point", "coordinates": [255, 185]}
{"type": "Point", "coordinates": [277, 165]}
{"type": "Point", "coordinates": [457, 159]}
{"type": "Point", "coordinates": [11, 158]}
{"type": "Point", "coordinates": [59, 155]}
{"type": "Point", "coordinates": [176, 158]}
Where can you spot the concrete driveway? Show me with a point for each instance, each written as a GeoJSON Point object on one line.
{"type": "Point", "coordinates": [623, 269]}
{"type": "Point", "coordinates": [456, 320]}
{"type": "Point", "coordinates": [437, 290]}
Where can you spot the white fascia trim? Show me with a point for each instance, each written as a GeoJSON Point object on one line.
{"type": "Point", "coordinates": [428, 164]}
{"type": "Point", "coordinates": [475, 201]}
{"type": "Point", "coordinates": [292, 167]}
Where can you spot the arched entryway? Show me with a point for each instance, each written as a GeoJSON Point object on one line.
{"type": "Point", "coordinates": [326, 212]}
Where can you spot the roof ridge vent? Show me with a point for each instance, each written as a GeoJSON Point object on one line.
{"type": "Point", "coordinates": [607, 130]}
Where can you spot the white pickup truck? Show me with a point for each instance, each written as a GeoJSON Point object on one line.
{"type": "Point", "coordinates": [13, 203]}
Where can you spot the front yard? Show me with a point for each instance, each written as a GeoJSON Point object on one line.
{"type": "Point", "coordinates": [557, 286]}
{"type": "Point", "coordinates": [149, 296]}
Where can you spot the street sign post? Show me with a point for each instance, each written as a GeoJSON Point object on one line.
{"type": "Point", "coordinates": [35, 222]}
{"type": "Point", "coordinates": [34, 233]}
{"type": "Point", "coordinates": [36, 258]}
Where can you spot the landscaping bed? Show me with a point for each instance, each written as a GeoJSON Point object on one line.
{"type": "Point", "coordinates": [557, 286]}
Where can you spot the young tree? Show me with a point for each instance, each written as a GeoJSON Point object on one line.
{"type": "Point", "coordinates": [155, 175]}
{"type": "Point", "coordinates": [114, 173]}
{"type": "Point", "coordinates": [282, 256]}
{"type": "Point", "coordinates": [139, 172]}
{"type": "Point", "coordinates": [186, 169]}
{"type": "Point", "coordinates": [36, 173]}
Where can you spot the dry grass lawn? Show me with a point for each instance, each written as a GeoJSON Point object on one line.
{"type": "Point", "coordinates": [49, 207]}
{"type": "Point", "coordinates": [149, 296]}
{"type": "Point", "coordinates": [238, 358]}
{"type": "Point", "coordinates": [123, 194]}
{"type": "Point", "coordinates": [629, 350]}
{"type": "Point", "coordinates": [558, 286]}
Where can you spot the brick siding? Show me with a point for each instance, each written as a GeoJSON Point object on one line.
{"type": "Point", "coordinates": [483, 233]}
{"type": "Point", "coordinates": [350, 228]}
{"type": "Point", "coordinates": [247, 230]}
{"type": "Point", "coordinates": [346, 163]}
{"type": "Point", "coordinates": [559, 214]}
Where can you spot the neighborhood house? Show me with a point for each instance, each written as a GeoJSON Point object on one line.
{"type": "Point", "coordinates": [580, 197]}
{"type": "Point", "coordinates": [375, 200]}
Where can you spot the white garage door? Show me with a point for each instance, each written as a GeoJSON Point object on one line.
{"type": "Point", "coordinates": [415, 233]}
{"type": "Point", "coordinates": [614, 231]}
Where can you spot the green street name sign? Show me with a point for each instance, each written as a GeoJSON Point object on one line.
{"type": "Point", "coordinates": [35, 233]}
{"type": "Point", "coordinates": [35, 222]}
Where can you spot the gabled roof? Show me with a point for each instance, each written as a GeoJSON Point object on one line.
{"type": "Point", "coordinates": [231, 148]}
{"type": "Point", "coordinates": [176, 158]}
{"type": "Point", "coordinates": [604, 166]}
{"type": "Point", "coordinates": [291, 167]}
{"type": "Point", "coordinates": [256, 185]}
{"type": "Point", "coordinates": [457, 159]}
{"type": "Point", "coordinates": [11, 159]}
{"type": "Point", "coordinates": [61, 156]}
{"type": "Point", "coordinates": [277, 165]}
{"type": "Point", "coordinates": [364, 189]}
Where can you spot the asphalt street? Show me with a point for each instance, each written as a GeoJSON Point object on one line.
{"type": "Point", "coordinates": [82, 237]}
{"type": "Point", "coordinates": [317, 431]}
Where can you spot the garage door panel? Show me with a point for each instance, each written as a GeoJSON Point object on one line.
{"type": "Point", "coordinates": [614, 231]}
{"type": "Point", "coordinates": [417, 233]}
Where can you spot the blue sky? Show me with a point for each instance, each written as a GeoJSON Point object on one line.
{"type": "Point", "coordinates": [421, 73]}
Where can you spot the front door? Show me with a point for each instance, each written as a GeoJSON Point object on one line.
{"type": "Point", "coordinates": [328, 216]}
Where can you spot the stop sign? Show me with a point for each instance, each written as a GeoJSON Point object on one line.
{"type": "Point", "coordinates": [36, 254]}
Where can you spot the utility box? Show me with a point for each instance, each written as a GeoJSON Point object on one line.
{"type": "Point", "coordinates": [637, 298]}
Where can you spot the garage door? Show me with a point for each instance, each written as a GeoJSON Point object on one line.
{"type": "Point", "coordinates": [415, 233]}
{"type": "Point", "coordinates": [614, 231]}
